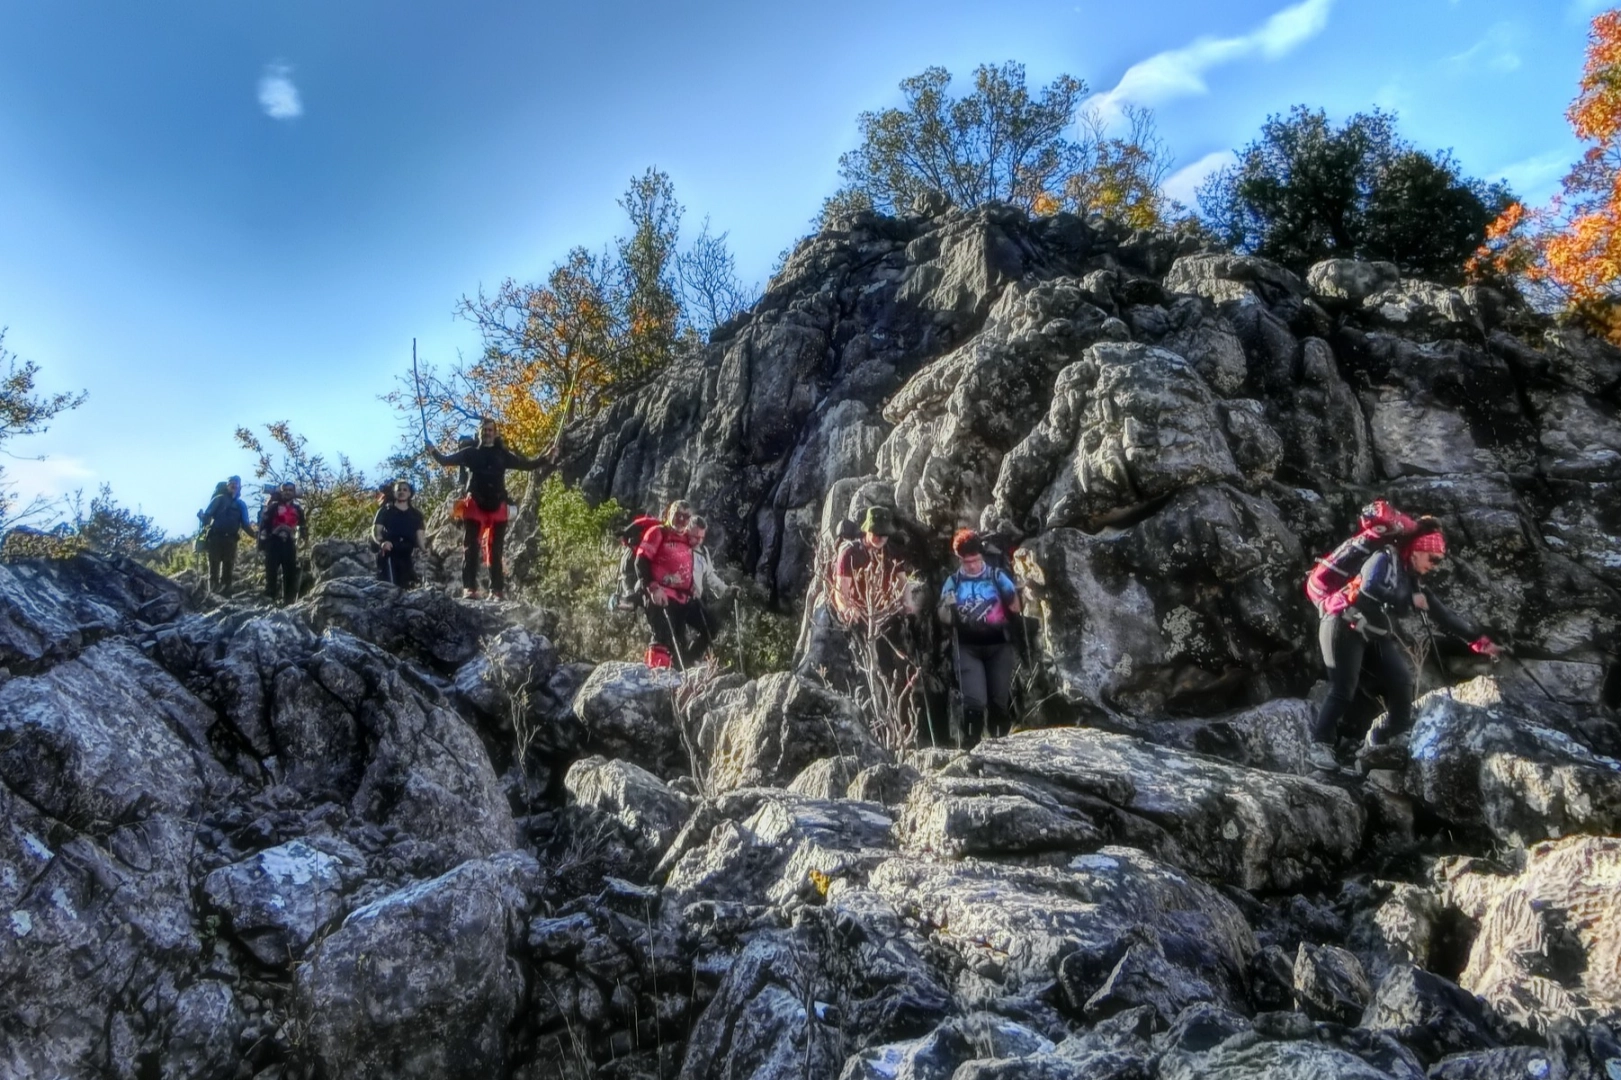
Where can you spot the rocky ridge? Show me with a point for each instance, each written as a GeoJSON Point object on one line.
{"type": "Point", "coordinates": [385, 834]}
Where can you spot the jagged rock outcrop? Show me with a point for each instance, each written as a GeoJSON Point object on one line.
{"type": "Point", "coordinates": [386, 833]}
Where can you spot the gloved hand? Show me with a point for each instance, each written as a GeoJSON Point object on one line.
{"type": "Point", "coordinates": [1484, 646]}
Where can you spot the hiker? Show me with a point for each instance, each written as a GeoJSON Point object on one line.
{"type": "Point", "coordinates": [399, 530]}
{"type": "Point", "coordinates": [979, 603]}
{"type": "Point", "coordinates": [483, 509]}
{"type": "Point", "coordinates": [225, 518]}
{"type": "Point", "coordinates": [281, 525]}
{"type": "Point", "coordinates": [664, 568]}
{"type": "Point", "coordinates": [1358, 630]}
{"type": "Point", "coordinates": [872, 550]}
{"type": "Point", "coordinates": [706, 584]}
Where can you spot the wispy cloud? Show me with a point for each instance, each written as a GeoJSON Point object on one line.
{"type": "Point", "coordinates": [1536, 179]}
{"type": "Point", "coordinates": [1181, 72]}
{"type": "Point", "coordinates": [49, 477]}
{"type": "Point", "coordinates": [1495, 52]}
{"type": "Point", "coordinates": [278, 97]}
{"type": "Point", "coordinates": [1183, 184]}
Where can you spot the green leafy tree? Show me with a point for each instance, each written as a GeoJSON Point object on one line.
{"type": "Point", "coordinates": [338, 500]}
{"type": "Point", "coordinates": [107, 526]}
{"type": "Point", "coordinates": [995, 143]}
{"type": "Point", "coordinates": [24, 411]}
{"type": "Point", "coordinates": [1307, 190]}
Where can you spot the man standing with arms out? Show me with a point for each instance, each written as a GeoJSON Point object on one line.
{"type": "Point", "coordinates": [399, 530]}
{"type": "Point", "coordinates": [282, 524]}
{"type": "Point", "coordinates": [226, 518]}
{"type": "Point", "coordinates": [483, 511]}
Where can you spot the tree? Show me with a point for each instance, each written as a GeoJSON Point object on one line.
{"type": "Point", "coordinates": [1117, 175]}
{"type": "Point", "coordinates": [997, 143]}
{"type": "Point", "coordinates": [338, 500]}
{"type": "Point", "coordinates": [1567, 255]}
{"type": "Point", "coordinates": [711, 291]}
{"type": "Point", "coordinates": [117, 530]}
{"type": "Point", "coordinates": [24, 412]}
{"type": "Point", "coordinates": [1306, 191]}
{"type": "Point", "coordinates": [565, 347]}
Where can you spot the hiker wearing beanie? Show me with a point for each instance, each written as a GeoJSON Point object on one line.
{"type": "Point", "coordinates": [979, 603]}
{"type": "Point", "coordinates": [281, 525]}
{"type": "Point", "coordinates": [873, 549]}
{"type": "Point", "coordinates": [225, 519]}
{"type": "Point", "coordinates": [664, 569]}
{"type": "Point", "coordinates": [399, 530]}
{"type": "Point", "coordinates": [483, 510]}
{"type": "Point", "coordinates": [1358, 630]}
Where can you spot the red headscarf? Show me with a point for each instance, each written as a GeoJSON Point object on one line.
{"type": "Point", "coordinates": [1432, 542]}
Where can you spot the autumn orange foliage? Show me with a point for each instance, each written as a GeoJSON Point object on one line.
{"type": "Point", "coordinates": [1570, 251]}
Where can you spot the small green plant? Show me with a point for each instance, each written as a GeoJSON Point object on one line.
{"type": "Point", "coordinates": [575, 571]}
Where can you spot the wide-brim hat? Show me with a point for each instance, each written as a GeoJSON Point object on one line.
{"type": "Point", "coordinates": [880, 521]}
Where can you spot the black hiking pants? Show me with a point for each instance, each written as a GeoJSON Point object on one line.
{"type": "Point", "coordinates": [472, 555]}
{"type": "Point", "coordinates": [395, 566]}
{"type": "Point", "coordinates": [281, 568]}
{"type": "Point", "coordinates": [221, 561]}
{"type": "Point", "coordinates": [985, 680]}
{"type": "Point", "coordinates": [670, 625]}
{"type": "Point", "coordinates": [1346, 652]}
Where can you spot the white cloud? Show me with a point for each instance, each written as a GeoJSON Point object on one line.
{"type": "Point", "coordinates": [277, 94]}
{"type": "Point", "coordinates": [50, 477]}
{"type": "Point", "coordinates": [1495, 52]}
{"type": "Point", "coordinates": [1536, 179]}
{"type": "Point", "coordinates": [1184, 182]}
{"type": "Point", "coordinates": [1181, 72]}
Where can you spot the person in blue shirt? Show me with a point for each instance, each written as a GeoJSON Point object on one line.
{"type": "Point", "coordinates": [979, 603]}
{"type": "Point", "coordinates": [225, 518]}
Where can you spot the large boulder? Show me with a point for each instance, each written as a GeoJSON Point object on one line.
{"type": "Point", "coordinates": [424, 982]}
{"type": "Point", "coordinates": [278, 900]}
{"type": "Point", "coordinates": [1548, 946]}
{"type": "Point", "coordinates": [766, 732]}
{"type": "Point", "coordinates": [1494, 767]}
{"type": "Point", "coordinates": [424, 624]}
{"type": "Point", "coordinates": [628, 711]}
{"type": "Point", "coordinates": [1350, 280]}
{"type": "Point", "coordinates": [50, 609]}
{"type": "Point", "coordinates": [1086, 928]}
{"type": "Point", "coordinates": [1188, 608]}
{"type": "Point", "coordinates": [641, 802]}
{"type": "Point", "coordinates": [1255, 829]}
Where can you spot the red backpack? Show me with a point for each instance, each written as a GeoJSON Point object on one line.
{"type": "Point", "coordinates": [1331, 585]}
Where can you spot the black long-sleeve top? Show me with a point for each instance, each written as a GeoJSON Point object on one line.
{"type": "Point", "coordinates": [487, 470]}
{"type": "Point", "coordinates": [1388, 588]}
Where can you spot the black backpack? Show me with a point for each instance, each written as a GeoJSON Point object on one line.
{"type": "Point", "coordinates": [627, 593]}
{"type": "Point", "coordinates": [227, 519]}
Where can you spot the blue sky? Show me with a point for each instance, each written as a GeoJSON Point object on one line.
{"type": "Point", "coordinates": [215, 214]}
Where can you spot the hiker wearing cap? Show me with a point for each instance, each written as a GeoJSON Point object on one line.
{"type": "Point", "coordinates": [868, 564]}
{"type": "Point", "coordinates": [979, 603]}
{"type": "Point", "coordinates": [1358, 630]}
{"type": "Point", "coordinates": [483, 509]}
{"type": "Point", "coordinates": [399, 530]}
{"type": "Point", "coordinates": [281, 524]}
{"type": "Point", "coordinates": [225, 519]}
{"type": "Point", "coordinates": [664, 569]}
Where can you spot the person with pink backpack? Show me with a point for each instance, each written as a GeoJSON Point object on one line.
{"type": "Point", "coordinates": [1358, 626]}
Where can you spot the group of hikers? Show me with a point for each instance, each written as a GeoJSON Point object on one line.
{"type": "Point", "coordinates": [1360, 589]}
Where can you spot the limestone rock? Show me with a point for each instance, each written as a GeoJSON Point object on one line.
{"type": "Point", "coordinates": [641, 801]}
{"type": "Point", "coordinates": [421, 983]}
{"type": "Point", "coordinates": [279, 899]}
{"type": "Point", "coordinates": [1350, 280]}
{"type": "Point", "coordinates": [629, 713]}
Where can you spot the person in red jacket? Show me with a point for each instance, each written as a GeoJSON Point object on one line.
{"type": "Point", "coordinates": [281, 525]}
{"type": "Point", "coordinates": [664, 568]}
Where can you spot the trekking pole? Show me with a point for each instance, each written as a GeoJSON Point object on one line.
{"type": "Point", "coordinates": [956, 715]}
{"type": "Point", "coordinates": [422, 402]}
{"type": "Point", "coordinates": [1538, 682]}
{"type": "Point", "coordinates": [737, 637]}
{"type": "Point", "coordinates": [1446, 679]}
{"type": "Point", "coordinates": [675, 643]}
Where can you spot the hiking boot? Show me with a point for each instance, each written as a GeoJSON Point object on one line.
{"type": "Point", "coordinates": [1381, 756]}
{"type": "Point", "coordinates": [497, 595]}
{"type": "Point", "coordinates": [469, 594]}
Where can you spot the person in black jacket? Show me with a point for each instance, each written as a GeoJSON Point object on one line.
{"type": "Point", "coordinates": [399, 530]}
{"type": "Point", "coordinates": [1359, 630]}
{"type": "Point", "coordinates": [226, 519]}
{"type": "Point", "coordinates": [483, 510]}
